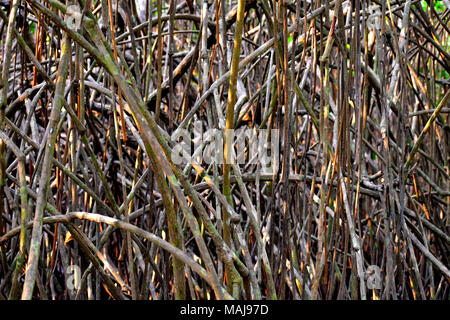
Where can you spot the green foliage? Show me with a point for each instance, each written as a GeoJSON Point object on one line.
{"type": "Point", "coordinates": [32, 27]}
{"type": "Point", "coordinates": [438, 5]}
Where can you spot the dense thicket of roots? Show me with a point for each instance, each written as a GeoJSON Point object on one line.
{"type": "Point", "coordinates": [347, 101]}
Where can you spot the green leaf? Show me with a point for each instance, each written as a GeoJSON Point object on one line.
{"type": "Point", "coordinates": [424, 5]}
{"type": "Point", "coordinates": [439, 7]}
